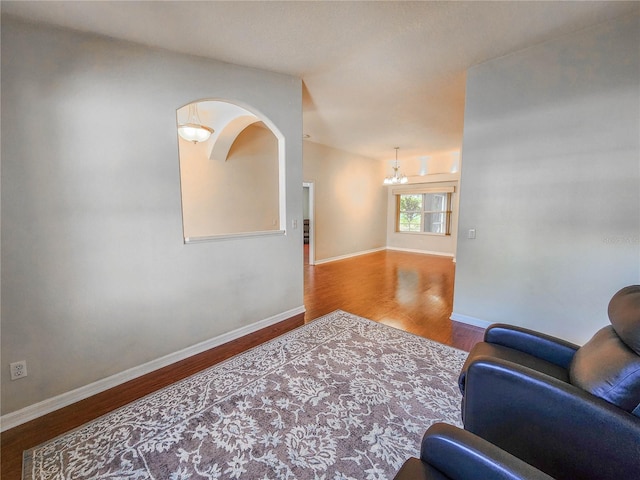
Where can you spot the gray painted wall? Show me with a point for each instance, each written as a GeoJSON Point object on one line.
{"type": "Point", "coordinates": [551, 182]}
{"type": "Point", "coordinates": [95, 276]}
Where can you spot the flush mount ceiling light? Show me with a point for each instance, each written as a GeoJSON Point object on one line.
{"type": "Point", "coordinates": [396, 177]}
{"type": "Point", "coordinates": [193, 130]}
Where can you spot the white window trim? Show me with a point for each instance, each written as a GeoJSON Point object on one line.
{"type": "Point", "coordinates": [417, 190]}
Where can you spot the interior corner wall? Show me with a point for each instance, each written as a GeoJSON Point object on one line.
{"type": "Point", "coordinates": [96, 278]}
{"type": "Point", "coordinates": [350, 201]}
{"type": "Point", "coordinates": [551, 183]}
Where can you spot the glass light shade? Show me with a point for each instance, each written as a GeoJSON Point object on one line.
{"type": "Point", "coordinates": [194, 133]}
{"type": "Point", "coordinates": [396, 177]}
{"type": "Point", "coordinates": [193, 130]}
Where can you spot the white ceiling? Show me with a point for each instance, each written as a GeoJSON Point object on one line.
{"type": "Point", "coordinates": [376, 74]}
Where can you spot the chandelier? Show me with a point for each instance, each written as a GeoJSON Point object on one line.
{"type": "Point", "coordinates": [396, 177]}
{"type": "Point", "coordinates": [193, 130]}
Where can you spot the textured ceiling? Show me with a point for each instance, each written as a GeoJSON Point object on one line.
{"type": "Point", "coordinates": [376, 74]}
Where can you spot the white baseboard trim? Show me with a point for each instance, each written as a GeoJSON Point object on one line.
{"type": "Point", "coordinates": [364, 252]}
{"type": "Point", "coordinates": [39, 409]}
{"type": "Point", "coordinates": [476, 322]}
{"type": "Point", "coordinates": [350, 255]}
{"type": "Point", "coordinates": [423, 252]}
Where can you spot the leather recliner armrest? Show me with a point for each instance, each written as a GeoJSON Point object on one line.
{"type": "Point", "coordinates": [550, 424]}
{"type": "Point", "coordinates": [461, 455]}
{"type": "Point", "coordinates": [450, 453]}
{"type": "Point", "coordinates": [546, 347]}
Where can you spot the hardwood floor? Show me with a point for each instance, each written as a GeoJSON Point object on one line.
{"type": "Point", "coordinates": [409, 291]}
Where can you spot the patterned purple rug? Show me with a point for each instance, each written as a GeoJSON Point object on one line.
{"type": "Point", "coordinates": [340, 398]}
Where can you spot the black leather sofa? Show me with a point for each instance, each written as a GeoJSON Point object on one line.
{"type": "Point", "coordinates": [450, 453]}
{"type": "Point", "coordinates": [572, 412]}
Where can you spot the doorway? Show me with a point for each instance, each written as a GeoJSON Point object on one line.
{"type": "Point", "coordinates": [308, 223]}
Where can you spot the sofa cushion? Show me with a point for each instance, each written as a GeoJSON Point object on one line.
{"type": "Point", "coordinates": [609, 369]}
{"type": "Point", "coordinates": [624, 314]}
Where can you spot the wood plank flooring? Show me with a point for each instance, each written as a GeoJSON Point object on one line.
{"type": "Point", "coordinates": [409, 291]}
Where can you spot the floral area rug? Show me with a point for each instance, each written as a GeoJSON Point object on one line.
{"type": "Point", "coordinates": [340, 398]}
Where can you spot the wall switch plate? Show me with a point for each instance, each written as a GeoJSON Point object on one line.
{"type": "Point", "coordinates": [18, 369]}
{"type": "Point", "coordinates": [471, 234]}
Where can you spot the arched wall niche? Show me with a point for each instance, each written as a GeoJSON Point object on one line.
{"type": "Point", "coordinates": [233, 184]}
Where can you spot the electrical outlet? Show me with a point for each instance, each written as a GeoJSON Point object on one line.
{"type": "Point", "coordinates": [18, 369]}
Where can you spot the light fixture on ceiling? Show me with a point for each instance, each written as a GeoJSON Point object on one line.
{"type": "Point", "coordinates": [193, 130]}
{"type": "Point", "coordinates": [396, 177]}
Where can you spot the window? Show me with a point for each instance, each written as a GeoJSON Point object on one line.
{"type": "Point", "coordinates": [424, 212]}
